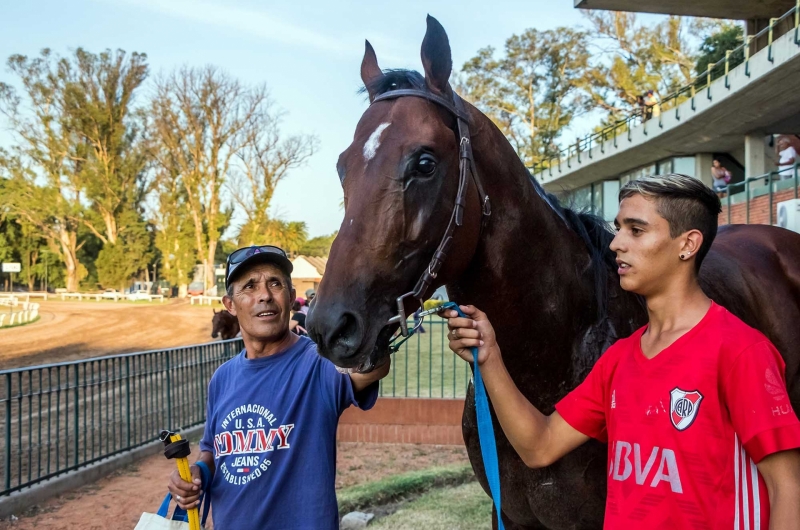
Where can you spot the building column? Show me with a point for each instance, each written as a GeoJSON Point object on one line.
{"type": "Point", "coordinates": [702, 167]}
{"type": "Point", "coordinates": [755, 161]}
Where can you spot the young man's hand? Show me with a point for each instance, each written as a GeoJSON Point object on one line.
{"type": "Point", "coordinates": [472, 331]}
{"type": "Point", "coordinates": [187, 494]}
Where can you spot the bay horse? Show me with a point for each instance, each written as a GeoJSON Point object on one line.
{"type": "Point", "coordinates": [224, 324]}
{"type": "Point", "coordinates": [401, 177]}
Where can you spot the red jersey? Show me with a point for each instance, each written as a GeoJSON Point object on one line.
{"type": "Point", "coordinates": [686, 428]}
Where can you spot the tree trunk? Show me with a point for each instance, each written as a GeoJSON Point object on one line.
{"type": "Point", "coordinates": [69, 252]}
{"type": "Point", "coordinates": [211, 280]}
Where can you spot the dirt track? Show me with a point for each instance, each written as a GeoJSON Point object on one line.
{"type": "Point", "coordinates": [76, 330]}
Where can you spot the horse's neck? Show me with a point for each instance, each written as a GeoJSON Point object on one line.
{"type": "Point", "coordinates": [531, 273]}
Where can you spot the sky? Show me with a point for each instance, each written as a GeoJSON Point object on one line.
{"type": "Point", "coordinates": [307, 52]}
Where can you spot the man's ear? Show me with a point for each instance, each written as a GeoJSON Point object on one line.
{"type": "Point", "coordinates": [693, 240]}
{"type": "Point", "coordinates": [227, 301]}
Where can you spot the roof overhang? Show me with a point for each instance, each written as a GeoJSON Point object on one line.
{"type": "Point", "coordinates": [734, 9]}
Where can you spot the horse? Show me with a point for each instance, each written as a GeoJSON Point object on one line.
{"type": "Point", "coordinates": [224, 324]}
{"type": "Point", "coordinates": [402, 178]}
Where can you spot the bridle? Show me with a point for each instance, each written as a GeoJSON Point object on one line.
{"type": "Point", "coordinates": [466, 165]}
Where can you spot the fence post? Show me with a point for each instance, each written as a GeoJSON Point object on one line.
{"type": "Point", "coordinates": [76, 428]}
{"type": "Point", "coordinates": [128, 400]}
{"type": "Point", "coordinates": [771, 198]}
{"type": "Point", "coordinates": [769, 48]}
{"type": "Point", "coordinates": [797, 23]}
{"type": "Point", "coordinates": [727, 68]}
{"type": "Point", "coordinates": [169, 394]}
{"type": "Point", "coordinates": [747, 55]}
{"type": "Point", "coordinates": [7, 472]}
{"type": "Point", "coordinates": [708, 81]}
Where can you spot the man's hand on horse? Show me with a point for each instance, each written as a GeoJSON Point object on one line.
{"type": "Point", "coordinates": [187, 494]}
{"type": "Point", "coordinates": [472, 331]}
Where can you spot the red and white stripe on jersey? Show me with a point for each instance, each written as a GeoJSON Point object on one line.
{"type": "Point", "coordinates": [752, 500]}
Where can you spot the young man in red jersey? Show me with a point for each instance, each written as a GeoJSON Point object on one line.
{"type": "Point", "coordinates": [694, 406]}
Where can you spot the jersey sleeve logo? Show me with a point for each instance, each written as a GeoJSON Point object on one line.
{"type": "Point", "coordinates": [683, 407]}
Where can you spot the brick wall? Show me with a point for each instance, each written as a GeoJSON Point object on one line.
{"type": "Point", "coordinates": [759, 209]}
{"type": "Point", "coordinates": [404, 420]}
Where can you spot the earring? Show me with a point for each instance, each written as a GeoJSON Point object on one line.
{"type": "Point", "coordinates": [683, 257]}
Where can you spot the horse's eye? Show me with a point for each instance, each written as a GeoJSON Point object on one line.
{"type": "Point", "coordinates": [426, 165]}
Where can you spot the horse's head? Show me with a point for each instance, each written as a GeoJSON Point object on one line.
{"type": "Point", "coordinates": [401, 178]}
{"type": "Point", "coordinates": [217, 324]}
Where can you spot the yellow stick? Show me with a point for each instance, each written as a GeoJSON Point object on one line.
{"type": "Point", "coordinates": [183, 470]}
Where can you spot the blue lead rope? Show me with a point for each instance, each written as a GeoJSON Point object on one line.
{"type": "Point", "coordinates": [485, 429]}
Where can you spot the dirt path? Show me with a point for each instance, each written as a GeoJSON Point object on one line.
{"type": "Point", "coordinates": [118, 501]}
{"type": "Point", "coordinates": [76, 330]}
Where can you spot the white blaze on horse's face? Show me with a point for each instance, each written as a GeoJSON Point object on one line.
{"type": "Point", "coordinates": [374, 141]}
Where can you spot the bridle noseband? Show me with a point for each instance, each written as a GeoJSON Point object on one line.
{"type": "Point", "coordinates": [466, 165]}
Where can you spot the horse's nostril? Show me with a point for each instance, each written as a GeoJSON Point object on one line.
{"type": "Point", "coordinates": [346, 335]}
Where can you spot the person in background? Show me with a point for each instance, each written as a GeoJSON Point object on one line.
{"type": "Point", "coordinates": [652, 107]}
{"type": "Point", "coordinates": [298, 322]}
{"type": "Point", "coordinates": [788, 157]}
{"type": "Point", "coordinates": [310, 294]}
{"type": "Point", "coordinates": [721, 178]}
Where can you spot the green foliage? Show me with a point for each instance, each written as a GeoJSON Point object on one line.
{"type": "Point", "coordinates": [534, 89]}
{"type": "Point", "coordinates": [723, 38]}
{"type": "Point", "coordinates": [319, 246]}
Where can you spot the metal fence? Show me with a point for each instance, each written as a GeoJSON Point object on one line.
{"type": "Point", "coordinates": [716, 72]}
{"type": "Point", "coordinates": [59, 417]}
{"type": "Point", "coordinates": [769, 184]}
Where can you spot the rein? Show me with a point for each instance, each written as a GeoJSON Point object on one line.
{"type": "Point", "coordinates": [466, 166]}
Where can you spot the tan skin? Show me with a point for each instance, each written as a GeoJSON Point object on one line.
{"type": "Point", "coordinates": [650, 265]}
{"type": "Point", "coordinates": [261, 301]}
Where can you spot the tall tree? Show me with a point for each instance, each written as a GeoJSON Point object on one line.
{"type": "Point", "coordinates": [44, 170]}
{"type": "Point", "coordinates": [201, 119]}
{"type": "Point", "coordinates": [724, 37]}
{"type": "Point", "coordinates": [534, 89]}
{"type": "Point", "coordinates": [634, 57]}
{"type": "Point", "coordinates": [264, 161]}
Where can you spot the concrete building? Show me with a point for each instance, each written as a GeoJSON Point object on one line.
{"type": "Point", "coordinates": [735, 119]}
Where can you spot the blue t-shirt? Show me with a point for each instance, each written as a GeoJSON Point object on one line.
{"type": "Point", "coordinates": [271, 427]}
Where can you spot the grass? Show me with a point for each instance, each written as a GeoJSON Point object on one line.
{"type": "Point", "coordinates": [18, 324]}
{"type": "Point", "coordinates": [398, 487]}
{"type": "Point", "coordinates": [425, 366]}
{"type": "Point", "coordinates": [464, 507]}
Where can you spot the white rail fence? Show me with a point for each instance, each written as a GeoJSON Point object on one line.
{"type": "Point", "coordinates": [20, 312]}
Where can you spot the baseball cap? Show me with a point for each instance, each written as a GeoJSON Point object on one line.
{"type": "Point", "coordinates": [245, 257]}
{"type": "Point", "coordinates": [310, 293]}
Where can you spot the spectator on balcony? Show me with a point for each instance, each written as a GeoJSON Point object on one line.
{"type": "Point", "coordinates": [788, 157]}
{"type": "Point", "coordinates": [652, 109]}
{"type": "Point", "coordinates": [721, 178]}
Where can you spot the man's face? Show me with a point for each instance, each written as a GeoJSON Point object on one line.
{"type": "Point", "coordinates": [261, 301]}
{"type": "Point", "coordinates": [647, 257]}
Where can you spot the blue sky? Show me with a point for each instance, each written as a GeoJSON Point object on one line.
{"type": "Point", "coordinates": [308, 53]}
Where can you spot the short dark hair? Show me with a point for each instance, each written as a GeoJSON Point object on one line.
{"type": "Point", "coordinates": [286, 276]}
{"type": "Point", "coordinates": [685, 202]}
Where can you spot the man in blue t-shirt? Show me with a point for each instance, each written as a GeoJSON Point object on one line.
{"type": "Point", "coordinates": [270, 435]}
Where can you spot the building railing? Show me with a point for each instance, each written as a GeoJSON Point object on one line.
{"type": "Point", "coordinates": [769, 184]}
{"type": "Point", "coordinates": [716, 72]}
{"type": "Point", "coordinates": [58, 417]}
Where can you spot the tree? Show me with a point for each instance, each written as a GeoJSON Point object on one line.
{"type": "Point", "coordinates": [264, 160]}
{"type": "Point", "coordinates": [724, 37]}
{"type": "Point", "coordinates": [634, 57]}
{"type": "Point", "coordinates": [201, 119]}
{"type": "Point", "coordinates": [43, 173]}
{"type": "Point", "coordinates": [319, 246]}
{"type": "Point", "coordinates": [534, 89]}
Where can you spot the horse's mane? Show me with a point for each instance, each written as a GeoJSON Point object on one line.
{"type": "Point", "coordinates": [592, 229]}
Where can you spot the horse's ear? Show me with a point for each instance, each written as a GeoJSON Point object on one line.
{"type": "Point", "coordinates": [436, 57]}
{"type": "Point", "coordinates": [215, 311]}
{"type": "Point", "coordinates": [370, 71]}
